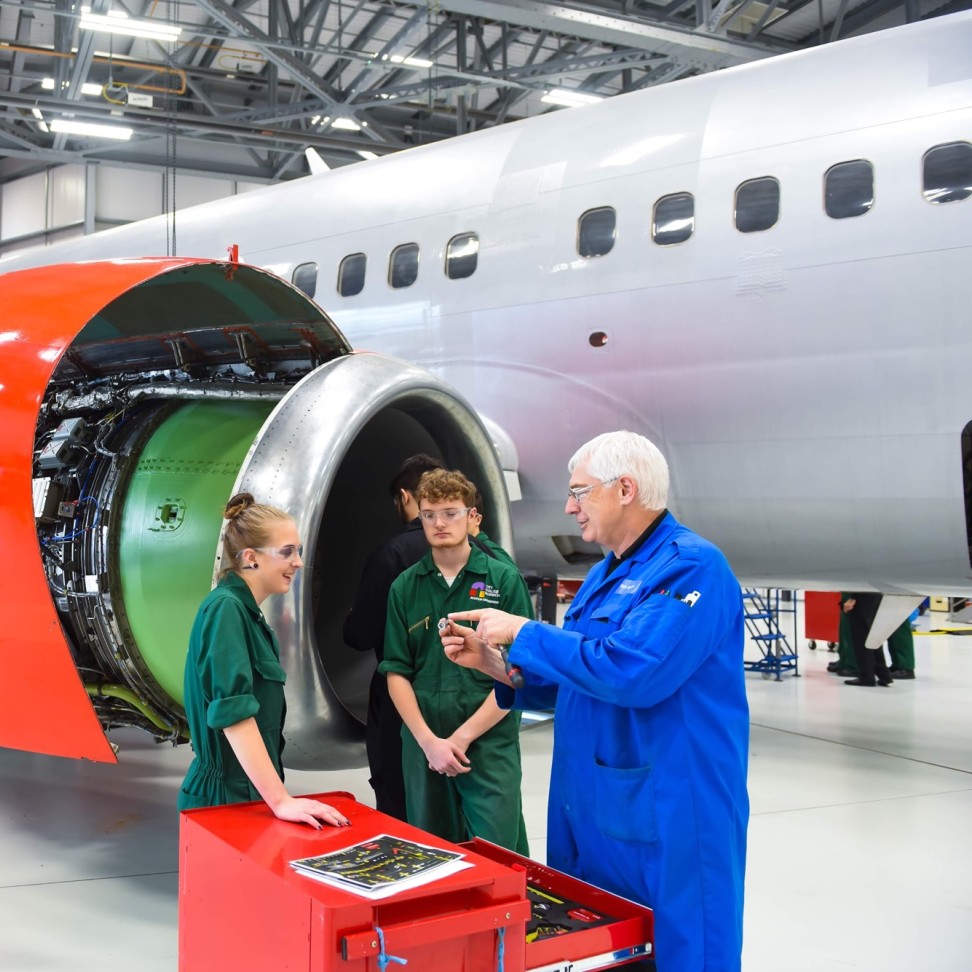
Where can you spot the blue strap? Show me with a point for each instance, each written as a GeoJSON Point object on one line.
{"type": "Point", "coordinates": [384, 959]}
{"type": "Point", "coordinates": [501, 949]}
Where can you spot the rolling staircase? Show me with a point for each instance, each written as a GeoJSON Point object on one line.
{"type": "Point", "coordinates": [762, 610]}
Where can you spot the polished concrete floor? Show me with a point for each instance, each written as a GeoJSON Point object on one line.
{"type": "Point", "coordinates": [860, 837]}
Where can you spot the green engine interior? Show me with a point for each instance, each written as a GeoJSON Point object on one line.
{"type": "Point", "coordinates": [170, 525]}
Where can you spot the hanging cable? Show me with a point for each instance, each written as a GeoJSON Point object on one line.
{"type": "Point", "coordinates": [169, 172]}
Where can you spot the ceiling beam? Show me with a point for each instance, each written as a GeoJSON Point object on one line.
{"type": "Point", "coordinates": [701, 49]}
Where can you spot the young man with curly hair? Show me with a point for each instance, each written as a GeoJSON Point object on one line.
{"type": "Point", "coordinates": [460, 751]}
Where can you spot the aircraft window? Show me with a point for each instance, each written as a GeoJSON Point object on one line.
{"type": "Point", "coordinates": [757, 204]}
{"type": "Point", "coordinates": [304, 278]}
{"type": "Point", "coordinates": [351, 274]}
{"type": "Point", "coordinates": [947, 172]}
{"type": "Point", "coordinates": [673, 218]}
{"type": "Point", "coordinates": [403, 265]}
{"type": "Point", "coordinates": [596, 232]}
{"type": "Point", "coordinates": [849, 189]}
{"type": "Point", "coordinates": [461, 256]}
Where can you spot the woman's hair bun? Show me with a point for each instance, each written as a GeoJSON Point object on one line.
{"type": "Point", "coordinates": [238, 504]}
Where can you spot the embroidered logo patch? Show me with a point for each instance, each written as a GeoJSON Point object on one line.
{"type": "Point", "coordinates": [628, 586]}
{"type": "Point", "coordinates": [484, 592]}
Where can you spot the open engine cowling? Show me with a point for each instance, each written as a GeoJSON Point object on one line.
{"type": "Point", "coordinates": [169, 386]}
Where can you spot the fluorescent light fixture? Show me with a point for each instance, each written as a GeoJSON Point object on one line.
{"type": "Point", "coordinates": [88, 88]}
{"type": "Point", "coordinates": [69, 127]}
{"type": "Point", "coordinates": [569, 99]}
{"type": "Point", "coordinates": [346, 124]}
{"type": "Point", "coordinates": [365, 154]}
{"type": "Point", "coordinates": [117, 22]}
{"type": "Point", "coordinates": [416, 62]}
{"type": "Point", "coordinates": [36, 112]}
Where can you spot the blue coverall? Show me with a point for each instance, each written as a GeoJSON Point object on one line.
{"type": "Point", "coordinates": [648, 791]}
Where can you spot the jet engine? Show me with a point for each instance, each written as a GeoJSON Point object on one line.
{"type": "Point", "coordinates": [158, 388]}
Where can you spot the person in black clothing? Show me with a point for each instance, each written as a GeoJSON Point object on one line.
{"type": "Point", "coordinates": [364, 630]}
{"type": "Point", "coordinates": [872, 666]}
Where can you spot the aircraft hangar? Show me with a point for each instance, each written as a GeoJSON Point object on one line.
{"type": "Point", "coordinates": [241, 90]}
{"type": "Point", "coordinates": [117, 112]}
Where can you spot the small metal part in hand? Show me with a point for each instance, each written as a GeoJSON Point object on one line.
{"type": "Point", "coordinates": [512, 672]}
{"type": "Point", "coordinates": [443, 623]}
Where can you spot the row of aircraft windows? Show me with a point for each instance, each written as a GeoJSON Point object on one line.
{"type": "Point", "coordinates": [848, 192]}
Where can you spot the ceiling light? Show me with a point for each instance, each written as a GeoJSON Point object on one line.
{"type": "Point", "coordinates": [365, 154]}
{"type": "Point", "coordinates": [93, 129]}
{"type": "Point", "coordinates": [88, 88]}
{"type": "Point", "coordinates": [416, 62]}
{"type": "Point", "coordinates": [117, 22]}
{"type": "Point", "coordinates": [346, 124]}
{"type": "Point", "coordinates": [569, 99]}
{"type": "Point", "coordinates": [37, 113]}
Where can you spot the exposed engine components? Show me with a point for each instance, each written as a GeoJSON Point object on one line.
{"type": "Point", "coordinates": [179, 392]}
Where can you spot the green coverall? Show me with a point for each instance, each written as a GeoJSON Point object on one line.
{"type": "Point", "coordinates": [901, 646]}
{"type": "Point", "coordinates": [233, 672]}
{"type": "Point", "coordinates": [485, 802]}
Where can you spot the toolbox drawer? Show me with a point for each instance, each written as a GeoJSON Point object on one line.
{"type": "Point", "coordinates": [605, 931]}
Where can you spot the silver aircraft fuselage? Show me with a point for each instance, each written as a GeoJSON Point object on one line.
{"type": "Point", "coordinates": [809, 383]}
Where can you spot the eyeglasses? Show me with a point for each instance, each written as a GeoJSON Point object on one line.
{"type": "Point", "coordinates": [450, 516]}
{"type": "Point", "coordinates": [578, 493]}
{"type": "Point", "coordinates": [282, 553]}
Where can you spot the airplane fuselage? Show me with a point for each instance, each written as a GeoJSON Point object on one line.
{"type": "Point", "coordinates": [807, 382]}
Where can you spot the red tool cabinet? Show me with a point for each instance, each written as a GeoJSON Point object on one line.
{"type": "Point", "coordinates": [242, 908]}
{"type": "Point", "coordinates": [821, 616]}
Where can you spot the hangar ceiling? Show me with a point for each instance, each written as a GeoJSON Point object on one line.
{"type": "Point", "coordinates": [248, 85]}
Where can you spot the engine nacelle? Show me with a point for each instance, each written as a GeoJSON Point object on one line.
{"type": "Point", "coordinates": [163, 387]}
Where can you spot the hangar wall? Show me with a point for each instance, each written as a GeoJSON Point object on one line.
{"type": "Point", "coordinates": [72, 200]}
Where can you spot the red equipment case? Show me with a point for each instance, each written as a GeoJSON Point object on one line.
{"type": "Point", "coordinates": [243, 908]}
{"type": "Point", "coordinates": [821, 616]}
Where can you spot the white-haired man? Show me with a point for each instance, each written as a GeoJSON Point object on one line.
{"type": "Point", "coordinates": [651, 729]}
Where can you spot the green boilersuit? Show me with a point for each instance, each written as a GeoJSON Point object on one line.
{"type": "Point", "coordinates": [845, 642]}
{"type": "Point", "coordinates": [485, 802]}
{"type": "Point", "coordinates": [233, 672]}
{"type": "Point", "coordinates": [901, 648]}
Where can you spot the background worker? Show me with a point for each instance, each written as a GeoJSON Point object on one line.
{"type": "Point", "coordinates": [364, 630]}
{"type": "Point", "coordinates": [901, 648]}
{"type": "Point", "coordinates": [460, 751]}
{"type": "Point", "coordinates": [234, 683]}
{"type": "Point", "coordinates": [872, 667]}
{"type": "Point", "coordinates": [846, 663]}
{"type": "Point", "coordinates": [651, 728]}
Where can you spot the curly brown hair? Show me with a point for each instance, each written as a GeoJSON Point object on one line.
{"type": "Point", "coordinates": [440, 485]}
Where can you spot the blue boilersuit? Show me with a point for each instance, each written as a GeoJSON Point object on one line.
{"type": "Point", "coordinates": [648, 791]}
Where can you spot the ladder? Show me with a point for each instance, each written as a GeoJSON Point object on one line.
{"type": "Point", "coordinates": [761, 612]}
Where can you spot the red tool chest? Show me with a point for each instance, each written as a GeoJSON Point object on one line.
{"type": "Point", "coordinates": [242, 908]}
{"type": "Point", "coordinates": [821, 617]}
